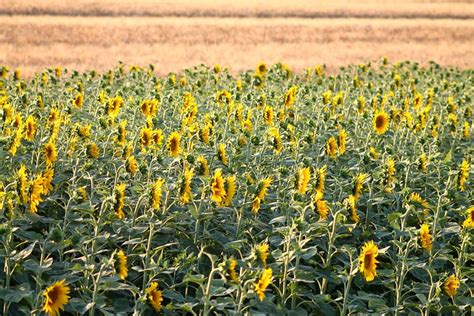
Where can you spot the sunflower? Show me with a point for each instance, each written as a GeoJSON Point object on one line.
{"type": "Point", "coordinates": [222, 155]}
{"type": "Point", "coordinates": [146, 136]}
{"type": "Point", "coordinates": [263, 283]}
{"type": "Point", "coordinates": [203, 166]}
{"type": "Point", "coordinates": [50, 153]}
{"type": "Point", "coordinates": [321, 179]}
{"type": "Point", "coordinates": [358, 185]}
{"type": "Point", "coordinates": [331, 147]}
{"type": "Point", "coordinates": [217, 187]}
{"type": "Point", "coordinates": [261, 68]}
{"type": "Point", "coordinates": [422, 163]}
{"type": "Point", "coordinates": [232, 273]}
{"type": "Point", "coordinates": [119, 201]}
{"type": "Point", "coordinates": [302, 180]}
{"type": "Point", "coordinates": [466, 130]}
{"type": "Point", "coordinates": [389, 173]}
{"type": "Point", "coordinates": [154, 296]}
{"type": "Point", "coordinates": [262, 252]}
{"type": "Point", "coordinates": [290, 96]}
{"type": "Point", "coordinates": [93, 151]}
{"type": "Point", "coordinates": [205, 133]}
{"type": "Point", "coordinates": [84, 131]}
{"type": "Point", "coordinates": [469, 221]}
{"type": "Point", "coordinates": [425, 237]}
{"type": "Point", "coordinates": [321, 205]}
{"type": "Point", "coordinates": [230, 189]}
{"type": "Point", "coordinates": [268, 115]}
{"type": "Point", "coordinates": [173, 144]}
{"type": "Point", "coordinates": [2, 195]}
{"type": "Point", "coordinates": [263, 187]}
{"type": "Point", "coordinates": [463, 175]}
{"type": "Point", "coordinates": [122, 133]}
{"type": "Point", "coordinates": [37, 190]}
{"type": "Point", "coordinates": [368, 261]}
{"type": "Point", "coordinates": [451, 285]}
{"type": "Point", "coordinates": [55, 297]}
{"type": "Point", "coordinates": [122, 265]}
{"type": "Point", "coordinates": [185, 189]}
{"type": "Point", "coordinates": [78, 100]}
{"type": "Point", "coordinates": [256, 205]}
{"type": "Point", "coordinates": [342, 140]}
{"type": "Point", "coordinates": [22, 184]}
{"type": "Point", "coordinates": [381, 121]}
{"type": "Point", "coordinates": [350, 202]}
{"type": "Point", "coordinates": [276, 140]}
{"type": "Point", "coordinates": [31, 127]}
{"type": "Point", "coordinates": [156, 194]}
{"type": "Point", "coordinates": [132, 165]}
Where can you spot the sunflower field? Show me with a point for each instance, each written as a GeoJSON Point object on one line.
{"type": "Point", "coordinates": [262, 192]}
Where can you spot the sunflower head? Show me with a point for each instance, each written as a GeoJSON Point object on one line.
{"type": "Point", "coordinates": [173, 144]}
{"type": "Point", "coordinates": [264, 281]}
{"type": "Point", "coordinates": [368, 261]}
{"type": "Point", "coordinates": [50, 153]}
{"type": "Point", "coordinates": [451, 285]}
{"type": "Point", "coordinates": [425, 237]}
{"type": "Point", "coordinates": [122, 265]}
{"type": "Point", "coordinates": [55, 297]}
{"type": "Point", "coordinates": [154, 296]}
{"type": "Point", "coordinates": [381, 121]}
{"type": "Point", "coordinates": [217, 187]}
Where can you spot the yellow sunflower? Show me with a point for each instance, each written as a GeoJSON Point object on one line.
{"type": "Point", "coordinates": [463, 175]}
{"type": "Point", "coordinates": [154, 296]}
{"type": "Point", "coordinates": [173, 144]}
{"type": "Point", "coordinates": [304, 175]}
{"type": "Point", "coordinates": [469, 221]}
{"type": "Point", "coordinates": [381, 121]}
{"type": "Point", "coordinates": [331, 147]}
{"type": "Point", "coordinates": [262, 252]}
{"type": "Point", "coordinates": [263, 283]}
{"type": "Point", "coordinates": [232, 273]}
{"type": "Point", "coordinates": [425, 237]}
{"type": "Point", "coordinates": [120, 201]}
{"type": "Point", "coordinates": [451, 285]}
{"type": "Point", "coordinates": [230, 189]}
{"type": "Point", "coordinates": [50, 153]}
{"type": "Point", "coordinates": [55, 297]}
{"type": "Point", "coordinates": [217, 187]}
{"type": "Point", "coordinates": [156, 194]}
{"type": "Point", "coordinates": [122, 265]}
{"type": "Point", "coordinates": [185, 189]}
{"type": "Point", "coordinates": [368, 261]}
{"type": "Point", "coordinates": [222, 155]}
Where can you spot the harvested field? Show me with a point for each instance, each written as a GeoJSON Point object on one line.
{"type": "Point", "coordinates": [37, 35]}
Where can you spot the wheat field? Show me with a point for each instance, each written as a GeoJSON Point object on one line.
{"type": "Point", "coordinates": [176, 35]}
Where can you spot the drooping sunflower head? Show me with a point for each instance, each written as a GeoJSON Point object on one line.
{"type": "Point", "coordinates": [331, 147]}
{"type": "Point", "coordinates": [425, 237]}
{"type": "Point", "coordinates": [358, 185]}
{"type": "Point", "coordinates": [156, 194]}
{"type": "Point", "coordinates": [230, 189]}
{"type": "Point", "coordinates": [185, 188]}
{"type": "Point", "coordinates": [263, 187]}
{"type": "Point", "coordinates": [262, 252]}
{"type": "Point", "coordinates": [154, 296]}
{"type": "Point", "coordinates": [232, 273]}
{"type": "Point", "coordinates": [368, 261]}
{"type": "Point", "coordinates": [222, 154]}
{"type": "Point", "coordinates": [451, 285]}
{"type": "Point", "coordinates": [55, 297]}
{"type": "Point", "coordinates": [122, 265]}
{"type": "Point", "coordinates": [381, 121]}
{"type": "Point", "coordinates": [132, 165]}
{"type": "Point", "coordinates": [173, 144]}
{"type": "Point", "coordinates": [469, 221]}
{"type": "Point", "coordinates": [50, 153]}
{"type": "Point", "coordinates": [93, 151]}
{"type": "Point", "coordinates": [264, 281]}
{"type": "Point", "coordinates": [303, 177]}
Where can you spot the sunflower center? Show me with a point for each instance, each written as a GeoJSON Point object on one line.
{"type": "Point", "coordinates": [54, 294]}
{"type": "Point", "coordinates": [380, 122]}
{"type": "Point", "coordinates": [368, 260]}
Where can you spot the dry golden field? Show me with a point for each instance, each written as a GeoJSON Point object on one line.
{"type": "Point", "coordinates": [173, 35]}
